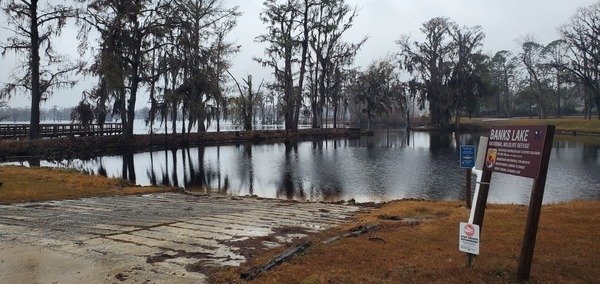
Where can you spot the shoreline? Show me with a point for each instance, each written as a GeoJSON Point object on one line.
{"type": "Point", "coordinates": [86, 147]}
{"type": "Point", "coordinates": [409, 241]}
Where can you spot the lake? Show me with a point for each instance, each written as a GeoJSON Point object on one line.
{"type": "Point", "coordinates": [391, 164]}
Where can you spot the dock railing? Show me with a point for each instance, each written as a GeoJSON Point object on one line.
{"type": "Point", "coordinates": [60, 130]}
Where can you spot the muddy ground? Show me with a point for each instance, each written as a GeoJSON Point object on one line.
{"type": "Point", "coordinates": [152, 238]}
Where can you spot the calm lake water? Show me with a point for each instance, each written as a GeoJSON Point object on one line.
{"type": "Point", "coordinates": [392, 164]}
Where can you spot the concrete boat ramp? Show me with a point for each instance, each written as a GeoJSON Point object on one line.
{"type": "Point", "coordinates": [154, 238]}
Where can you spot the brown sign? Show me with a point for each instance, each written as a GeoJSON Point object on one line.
{"type": "Point", "coordinates": [516, 150]}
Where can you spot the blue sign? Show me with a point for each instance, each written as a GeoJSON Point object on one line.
{"type": "Point", "coordinates": [467, 156]}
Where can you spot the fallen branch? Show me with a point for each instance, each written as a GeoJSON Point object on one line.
{"type": "Point", "coordinates": [354, 233]}
{"type": "Point", "coordinates": [254, 272]}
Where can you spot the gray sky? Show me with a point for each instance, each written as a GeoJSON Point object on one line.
{"type": "Point", "coordinates": [384, 21]}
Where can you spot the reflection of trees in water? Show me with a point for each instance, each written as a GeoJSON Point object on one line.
{"type": "Point", "coordinates": [289, 186]}
{"type": "Point", "coordinates": [590, 153]}
{"type": "Point", "coordinates": [439, 141]}
{"type": "Point", "coordinates": [34, 162]}
{"type": "Point", "coordinates": [128, 170]}
{"type": "Point", "coordinates": [197, 176]}
{"type": "Point", "coordinates": [102, 170]}
{"type": "Point", "coordinates": [211, 174]}
{"type": "Point", "coordinates": [579, 151]}
{"type": "Point", "coordinates": [165, 174]}
{"type": "Point", "coordinates": [92, 166]}
{"type": "Point", "coordinates": [439, 174]}
{"type": "Point", "coordinates": [200, 175]}
{"type": "Point", "coordinates": [150, 172]}
{"type": "Point", "coordinates": [327, 171]}
{"type": "Point", "coordinates": [222, 184]}
{"type": "Point", "coordinates": [247, 168]}
{"type": "Point", "coordinates": [161, 179]}
{"type": "Point", "coordinates": [318, 145]}
{"type": "Point", "coordinates": [591, 164]}
{"type": "Point", "coordinates": [174, 172]}
{"type": "Point", "coordinates": [168, 175]}
{"type": "Point", "coordinates": [327, 192]}
{"type": "Point", "coordinates": [385, 138]}
{"type": "Point", "coordinates": [466, 139]}
{"type": "Point", "coordinates": [327, 184]}
{"type": "Point", "coordinates": [219, 169]}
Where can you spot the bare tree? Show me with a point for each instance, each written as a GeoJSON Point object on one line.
{"type": "Point", "coordinates": [332, 20]}
{"type": "Point", "coordinates": [532, 59]}
{"type": "Point", "coordinates": [200, 39]}
{"type": "Point", "coordinates": [504, 73]}
{"type": "Point", "coordinates": [555, 54]}
{"type": "Point", "coordinates": [469, 68]}
{"type": "Point", "coordinates": [34, 25]}
{"type": "Point", "coordinates": [220, 51]}
{"type": "Point", "coordinates": [244, 104]}
{"type": "Point", "coordinates": [446, 68]}
{"type": "Point", "coordinates": [287, 35]}
{"type": "Point", "coordinates": [582, 33]}
{"type": "Point", "coordinates": [128, 38]}
{"type": "Point", "coordinates": [377, 90]}
{"type": "Point", "coordinates": [83, 113]}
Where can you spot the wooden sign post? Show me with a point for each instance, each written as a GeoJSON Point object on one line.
{"type": "Point", "coordinates": [522, 151]}
{"type": "Point", "coordinates": [535, 207]}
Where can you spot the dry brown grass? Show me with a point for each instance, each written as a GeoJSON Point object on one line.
{"type": "Point", "coordinates": [22, 184]}
{"type": "Point", "coordinates": [567, 249]}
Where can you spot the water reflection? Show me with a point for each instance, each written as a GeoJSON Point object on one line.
{"type": "Point", "coordinates": [391, 164]}
{"type": "Point", "coordinates": [289, 186]}
{"type": "Point", "coordinates": [128, 167]}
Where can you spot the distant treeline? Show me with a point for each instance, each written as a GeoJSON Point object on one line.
{"type": "Point", "coordinates": [53, 114]}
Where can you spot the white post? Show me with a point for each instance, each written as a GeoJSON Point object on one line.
{"type": "Point", "coordinates": [477, 170]}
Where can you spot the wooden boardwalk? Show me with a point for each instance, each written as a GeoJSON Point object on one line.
{"type": "Point", "coordinates": [8, 131]}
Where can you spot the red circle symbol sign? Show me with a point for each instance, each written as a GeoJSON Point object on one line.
{"type": "Point", "coordinates": [469, 230]}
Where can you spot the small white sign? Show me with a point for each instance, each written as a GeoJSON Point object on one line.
{"type": "Point", "coordinates": [469, 238]}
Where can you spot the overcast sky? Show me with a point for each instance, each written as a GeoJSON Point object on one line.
{"type": "Point", "coordinates": [383, 21]}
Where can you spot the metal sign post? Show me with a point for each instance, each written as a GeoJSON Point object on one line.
{"type": "Point", "coordinates": [480, 195]}
{"type": "Point", "coordinates": [467, 162]}
{"type": "Point", "coordinates": [468, 173]}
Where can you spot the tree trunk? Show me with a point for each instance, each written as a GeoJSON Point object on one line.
{"type": "Point", "coordinates": [539, 96]}
{"type": "Point", "coordinates": [174, 119]}
{"type": "Point", "coordinates": [314, 100]}
{"type": "Point", "coordinates": [298, 93]}
{"type": "Point", "coordinates": [597, 99]}
{"type": "Point", "coordinates": [407, 118]}
{"type": "Point", "coordinates": [218, 114]}
{"type": "Point", "coordinates": [36, 92]}
{"type": "Point", "coordinates": [123, 109]}
{"type": "Point", "coordinates": [130, 116]}
{"type": "Point", "coordinates": [321, 104]}
{"type": "Point", "coordinates": [135, 83]}
{"type": "Point", "coordinates": [184, 111]}
{"type": "Point", "coordinates": [335, 113]}
{"type": "Point", "coordinates": [558, 108]}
